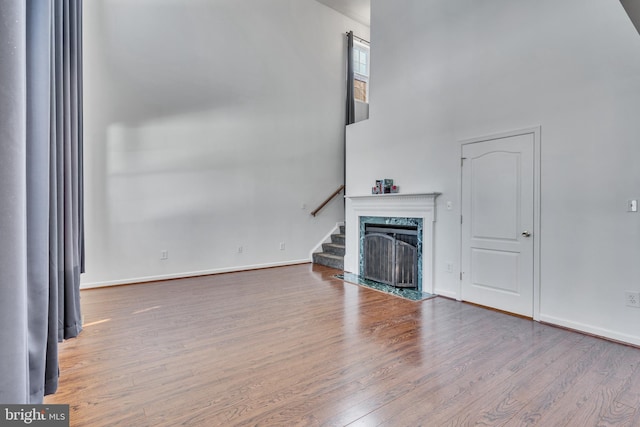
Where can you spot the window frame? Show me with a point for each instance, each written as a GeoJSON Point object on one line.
{"type": "Point", "coordinates": [362, 47]}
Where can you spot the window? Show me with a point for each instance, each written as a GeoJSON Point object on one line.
{"type": "Point", "coordinates": [361, 71]}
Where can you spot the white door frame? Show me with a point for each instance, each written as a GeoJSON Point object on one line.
{"type": "Point", "coordinates": [536, 131]}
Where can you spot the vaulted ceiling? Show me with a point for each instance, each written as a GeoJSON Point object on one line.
{"type": "Point", "coordinates": [358, 10]}
{"type": "Point", "coordinates": [633, 9]}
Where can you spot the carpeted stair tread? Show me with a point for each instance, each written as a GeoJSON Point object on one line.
{"type": "Point", "coordinates": [332, 254]}
{"type": "Point", "coordinates": [329, 260]}
{"type": "Point", "coordinates": [333, 249]}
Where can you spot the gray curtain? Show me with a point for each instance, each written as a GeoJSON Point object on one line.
{"type": "Point", "coordinates": [41, 217]}
{"type": "Point", "coordinates": [351, 102]}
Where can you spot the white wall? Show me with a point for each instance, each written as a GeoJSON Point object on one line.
{"type": "Point", "coordinates": [208, 126]}
{"type": "Point", "coordinates": [445, 71]}
{"type": "Point", "coordinates": [361, 111]}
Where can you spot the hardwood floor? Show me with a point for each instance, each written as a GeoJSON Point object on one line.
{"type": "Point", "coordinates": [294, 346]}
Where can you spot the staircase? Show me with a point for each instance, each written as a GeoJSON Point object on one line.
{"type": "Point", "coordinates": [332, 254]}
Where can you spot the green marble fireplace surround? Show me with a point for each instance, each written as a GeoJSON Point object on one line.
{"type": "Point", "coordinates": [372, 220]}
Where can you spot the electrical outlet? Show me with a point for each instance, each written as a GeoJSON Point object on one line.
{"type": "Point", "coordinates": [164, 254]}
{"type": "Point", "coordinates": [632, 299]}
{"type": "Point", "coordinates": [449, 267]}
{"type": "Point", "coordinates": [240, 249]}
{"type": "Point", "coordinates": [282, 246]}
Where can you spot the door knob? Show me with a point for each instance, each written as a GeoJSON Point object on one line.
{"type": "Point", "coordinates": [526, 233]}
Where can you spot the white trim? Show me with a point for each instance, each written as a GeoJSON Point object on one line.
{"type": "Point", "coordinates": [589, 329]}
{"type": "Point", "coordinates": [446, 293]}
{"type": "Point", "coordinates": [393, 195]}
{"type": "Point", "coordinates": [365, 48]}
{"type": "Point", "coordinates": [400, 205]}
{"type": "Point", "coordinates": [536, 131]}
{"type": "Point", "coordinates": [325, 239]}
{"type": "Point", "coordinates": [133, 280]}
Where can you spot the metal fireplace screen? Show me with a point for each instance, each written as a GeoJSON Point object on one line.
{"type": "Point", "coordinates": [391, 255]}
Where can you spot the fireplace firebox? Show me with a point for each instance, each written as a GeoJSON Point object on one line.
{"type": "Point", "coordinates": [390, 254]}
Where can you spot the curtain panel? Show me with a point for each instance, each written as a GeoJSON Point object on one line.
{"type": "Point", "coordinates": [41, 215]}
{"type": "Point", "coordinates": [351, 102]}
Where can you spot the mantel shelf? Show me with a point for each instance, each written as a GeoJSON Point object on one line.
{"type": "Point", "coordinates": [361, 196]}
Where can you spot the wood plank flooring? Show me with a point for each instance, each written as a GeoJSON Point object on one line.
{"type": "Point", "coordinates": [293, 346]}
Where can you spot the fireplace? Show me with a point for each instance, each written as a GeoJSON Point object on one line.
{"type": "Point", "coordinates": [402, 218]}
{"type": "Point", "coordinates": [390, 252]}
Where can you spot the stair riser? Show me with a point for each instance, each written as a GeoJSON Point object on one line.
{"type": "Point", "coordinates": [338, 239]}
{"type": "Point", "coordinates": [333, 249]}
{"type": "Point", "coordinates": [329, 262]}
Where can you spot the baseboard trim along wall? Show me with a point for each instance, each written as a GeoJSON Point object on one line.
{"type": "Point", "coordinates": [134, 280]}
{"type": "Point", "coordinates": [447, 294]}
{"type": "Point", "coordinates": [590, 329]}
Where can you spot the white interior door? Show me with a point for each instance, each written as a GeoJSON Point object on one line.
{"type": "Point", "coordinates": [498, 223]}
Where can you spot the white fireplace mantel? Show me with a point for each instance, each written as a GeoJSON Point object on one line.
{"type": "Point", "coordinates": [400, 205]}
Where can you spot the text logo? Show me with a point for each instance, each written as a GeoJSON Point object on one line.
{"type": "Point", "coordinates": [34, 415]}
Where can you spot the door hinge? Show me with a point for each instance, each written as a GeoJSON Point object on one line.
{"type": "Point", "coordinates": [461, 275]}
{"type": "Point", "coordinates": [462, 159]}
{"type": "Point", "coordinates": [460, 219]}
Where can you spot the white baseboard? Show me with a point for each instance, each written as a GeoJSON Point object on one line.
{"type": "Point", "coordinates": [133, 280]}
{"type": "Point", "coordinates": [590, 329]}
{"type": "Point", "coordinates": [447, 294]}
